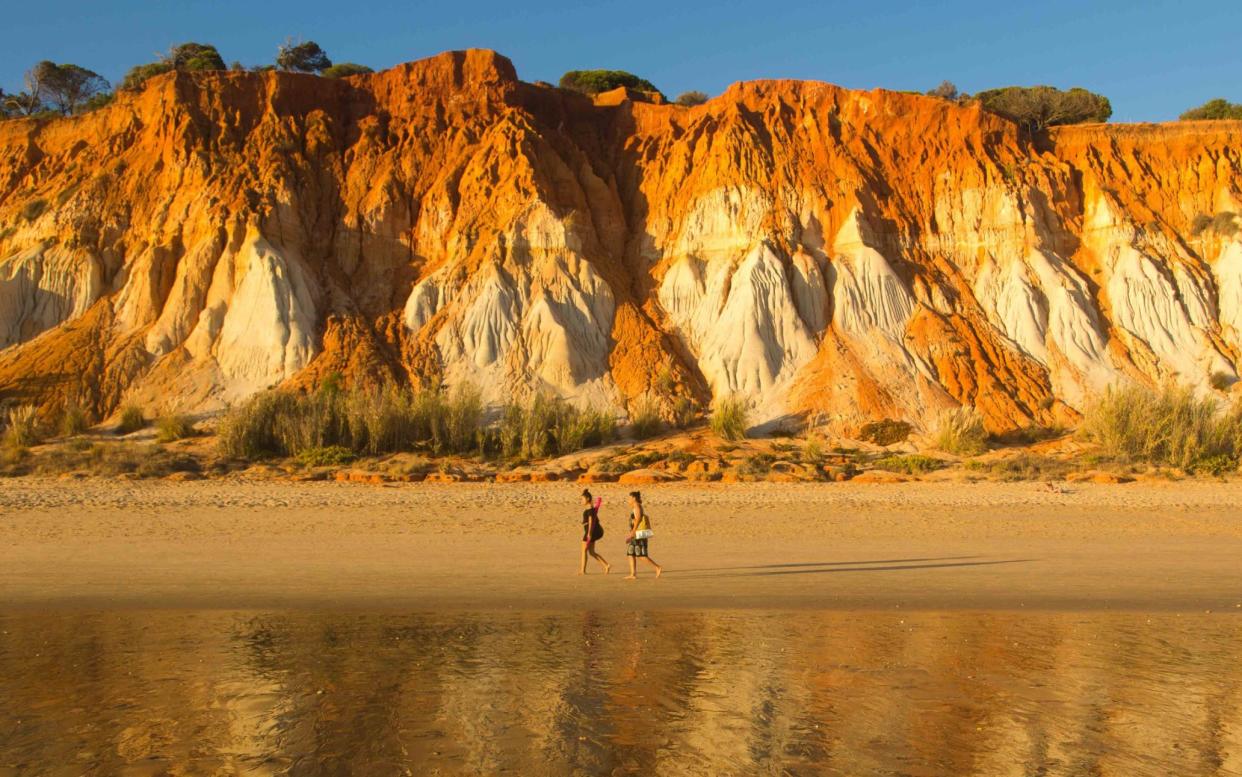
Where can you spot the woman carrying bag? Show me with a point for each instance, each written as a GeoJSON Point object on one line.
{"type": "Point", "coordinates": [640, 534]}
{"type": "Point", "coordinates": [591, 531]}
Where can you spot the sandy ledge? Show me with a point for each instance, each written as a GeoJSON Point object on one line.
{"type": "Point", "coordinates": [242, 544]}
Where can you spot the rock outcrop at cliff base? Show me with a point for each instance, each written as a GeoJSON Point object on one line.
{"type": "Point", "coordinates": [811, 248]}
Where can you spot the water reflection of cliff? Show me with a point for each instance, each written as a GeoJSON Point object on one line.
{"type": "Point", "coordinates": [670, 693]}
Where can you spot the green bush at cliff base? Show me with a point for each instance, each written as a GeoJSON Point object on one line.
{"type": "Point", "coordinates": [1172, 427]}
{"type": "Point", "coordinates": [391, 419]}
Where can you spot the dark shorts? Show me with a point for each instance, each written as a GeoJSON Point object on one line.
{"type": "Point", "coordinates": [636, 548]}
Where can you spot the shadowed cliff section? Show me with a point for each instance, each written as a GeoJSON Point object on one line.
{"type": "Point", "coordinates": [857, 254]}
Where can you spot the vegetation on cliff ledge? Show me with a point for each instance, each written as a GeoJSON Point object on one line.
{"type": "Point", "coordinates": [596, 81]}
{"type": "Point", "coordinates": [1039, 107]}
{"type": "Point", "coordinates": [1219, 108]}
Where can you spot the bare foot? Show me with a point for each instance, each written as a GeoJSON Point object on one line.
{"type": "Point", "coordinates": [581, 573]}
{"type": "Point", "coordinates": [607, 568]}
{"type": "Point", "coordinates": [659, 571]}
{"type": "Point", "coordinates": [631, 577]}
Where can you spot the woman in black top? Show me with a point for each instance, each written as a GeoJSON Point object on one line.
{"type": "Point", "coordinates": [591, 531]}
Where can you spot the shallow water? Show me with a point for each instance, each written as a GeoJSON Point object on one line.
{"type": "Point", "coordinates": [713, 693]}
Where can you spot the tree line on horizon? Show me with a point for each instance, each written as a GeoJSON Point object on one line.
{"type": "Point", "coordinates": [65, 89]}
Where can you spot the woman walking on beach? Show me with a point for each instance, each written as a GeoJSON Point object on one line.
{"type": "Point", "coordinates": [591, 532]}
{"type": "Point", "coordinates": [640, 533]}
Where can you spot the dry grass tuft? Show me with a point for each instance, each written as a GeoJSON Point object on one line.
{"type": "Point", "coordinates": [960, 431]}
{"type": "Point", "coordinates": [1172, 427]}
{"type": "Point", "coordinates": [730, 418]}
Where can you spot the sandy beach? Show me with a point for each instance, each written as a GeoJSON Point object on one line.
{"type": "Point", "coordinates": [937, 546]}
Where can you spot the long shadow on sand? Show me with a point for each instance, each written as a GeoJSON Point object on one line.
{"type": "Point", "coordinates": [821, 567]}
{"type": "Point", "coordinates": [798, 564]}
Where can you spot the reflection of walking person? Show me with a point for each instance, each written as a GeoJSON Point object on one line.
{"type": "Point", "coordinates": [591, 531]}
{"type": "Point", "coordinates": [640, 535]}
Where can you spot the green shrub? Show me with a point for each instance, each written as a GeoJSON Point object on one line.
{"type": "Point", "coordinates": [132, 419]}
{"type": "Point", "coordinates": [642, 460]}
{"type": "Point", "coordinates": [758, 464]}
{"type": "Point", "coordinates": [596, 81]}
{"type": "Point", "coordinates": [302, 57]}
{"type": "Point", "coordinates": [189, 57]}
{"type": "Point", "coordinates": [249, 430]}
{"type": "Point", "coordinates": [1218, 464]}
{"type": "Point", "coordinates": [1171, 427]}
{"type": "Point", "coordinates": [22, 429]}
{"type": "Point", "coordinates": [169, 428]}
{"type": "Point", "coordinates": [1024, 466]}
{"type": "Point", "coordinates": [1219, 108]}
{"type": "Point", "coordinates": [1221, 381]}
{"type": "Point", "coordinates": [1200, 224]}
{"type": "Point", "coordinates": [681, 458]}
{"type": "Point", "coordinates": [328, 456]}
{"type": "Point", "coordinates": [1027, 435]}
{"type": "Point", "coordinates": [547, 426]}
{"type": "Point", "coordinates": [1225, 223]}
{"type": "Point", "coordinates": [345, 69]}
{"type": "Point", "coordinates": [911, 465]}
{"type": "Point", "coordinates": [960, 431]}
{"type": "Point", "coordinates": [14, 458]}
{"type": "Point", "coordinates": [73, 420]}
{"type": "Point", "coordinates": [393, 419]}
{"type": "Point", "coordinates": [683, 413]}
{"type": "Point", "coordinates": [947, 90]}
{"type": "Point", "coordinates": [34, 209]}
{"type": "Point", "coordinates": [730, 418]}
{"type": "Point", "coordinates": [575, 429]}
{"type": "Point", "coordinates": [455, 418]}
{"type": "Point", "coordinates": [691, 98]}
{"type": "Point", "coordinates": [1040, 107]}
{"type": "Point", "coordinates": [813, 450]}
{"type": "Point", "coordinates": [885, 432]}
{"type": "Point", "coordinates": [645, 418]}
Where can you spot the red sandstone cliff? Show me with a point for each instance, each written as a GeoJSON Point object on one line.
{"type": "Point", "coordinates": [861, 254]}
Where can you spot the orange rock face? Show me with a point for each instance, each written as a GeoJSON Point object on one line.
{"type": "Point", "coordinates": [855, 254]}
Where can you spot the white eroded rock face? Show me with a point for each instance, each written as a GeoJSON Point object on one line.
{"type": "Point", "coordinates": [268, 331]}
{"type": "Point", "coordinates": [1228, 271]}
{"type": "Point", "coordinates": [536, 317]}
{"type": "Point", "coordinates": [868, 297]}
{"type": "Point", "coordinates": [742, 323]}
{"type": "Point", "coordinates": [751, 317]}
{"type": "Point", "coordinates": [1043, 305]}
{"type": "Point", "coordinates": [41, 288]}
{"type": "Point", "coordinates": [1161, 313]}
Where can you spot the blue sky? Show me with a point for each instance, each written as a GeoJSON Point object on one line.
{"type": "Point", "coordinates": [1152, 59]}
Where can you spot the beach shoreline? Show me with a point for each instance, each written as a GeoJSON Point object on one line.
{"type": "Point", "coordinates": [240, 544]}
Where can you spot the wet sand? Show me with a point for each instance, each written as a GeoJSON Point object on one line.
{"type": "Point", "coordinates": [715, 692]}
{"type": "Point", "coordinates": [925, 546]}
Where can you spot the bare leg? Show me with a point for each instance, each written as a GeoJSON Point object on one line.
{"type": "Point", "coordinates": [586, 548]}
{"type": "Point", "coordinates": [600, 559]}
{"type": "Point", "coordinates": [659, 569]}
{"type": "Point", "coordinates": [632, 575]}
